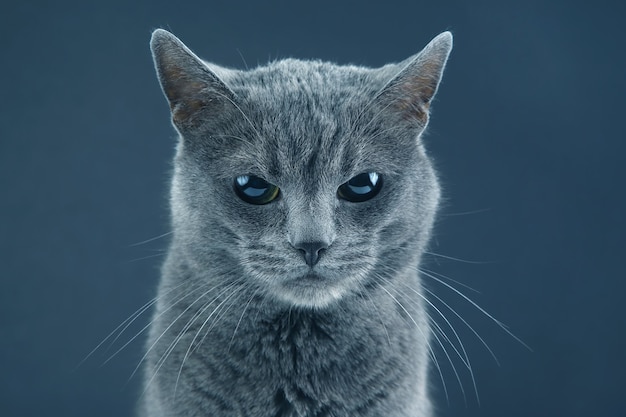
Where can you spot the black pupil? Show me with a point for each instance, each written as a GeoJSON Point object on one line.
{"type": "Point", "coordinates": [255, 190]}
{"type": "Point", "coordinates": [361, 184]}
{"type": "Point", "coordinates": [361, 188]}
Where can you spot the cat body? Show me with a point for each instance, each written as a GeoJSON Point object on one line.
{"type": "Point", "coordinates": [302, 199]}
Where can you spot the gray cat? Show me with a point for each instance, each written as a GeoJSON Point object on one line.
{"type": "Point", "coordinates": [302, 200]}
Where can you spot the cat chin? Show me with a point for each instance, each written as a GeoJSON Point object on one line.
{"type": "Point", "coordinates": [315, 301]}
{"type": "Point", "coordinates": [310, 291]}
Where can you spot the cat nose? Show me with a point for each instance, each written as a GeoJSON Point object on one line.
{"type": "Point", "coordinates": [311, 251]}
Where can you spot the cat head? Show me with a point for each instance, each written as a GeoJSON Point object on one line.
{"type": "Point", "coordinates": [306, 180]}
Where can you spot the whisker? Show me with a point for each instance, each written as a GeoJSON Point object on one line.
{"type": "Point", "coordinates": [245, 64]}
{"type": "Point", "coordinates": [464, 356]}
{"type": "Point", "coordinates": [152, 239]}
{"type": "Point", "coordinates": [143, 309]}
{"type": "Point", "coordinates": [220, 313]}
{"type": "Point", "coordinates": [147, 326]}
{"type": "Point", "coordinates": [444, 335]}
{"type": "Point", "coordinates": [155, 255]}
{"type": "Point", "coordinates": [452, 258]}
{"type": "Point", "coordinates": [464, 322]}
{"type": "Point", "coordinates": [189, 349]}
{"type": "Point", "coordinates": [127, 322]}
{"type": "Point", "coordinates": [429, 347]}
{"type": "Point", "coordinates": [469, 300]}
{"type": "Point", "coordinates": [241, 317]}
{"type": "Point", "coordinates": [422, 269]}
{"type": "Point", "coordinates": [465, 213]}
{"type": "Point", "coordinates": [173, 344]}
{"type": "Point", "coordinates": [436, 329]}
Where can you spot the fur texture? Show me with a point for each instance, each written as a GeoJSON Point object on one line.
{"type": "Point", "coordinates": [243, 325]}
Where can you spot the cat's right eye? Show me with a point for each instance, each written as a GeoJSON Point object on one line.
{"type": "Point", "coordinates": [255, 190]}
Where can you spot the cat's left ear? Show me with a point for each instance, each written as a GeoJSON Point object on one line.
{"type": "Point", "coordinates": [410, 92]}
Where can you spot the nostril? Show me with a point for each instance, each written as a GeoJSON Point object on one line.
{"type": "Point", "coordinates": [311, 251]}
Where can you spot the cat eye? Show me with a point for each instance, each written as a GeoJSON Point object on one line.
{"type": "Point", "coordinates": [361, 188]}
{"type": "Point", "coordinates": [255, 190]}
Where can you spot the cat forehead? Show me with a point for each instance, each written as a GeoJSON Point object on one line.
{"type": "Point", "coordinates": [304, 92]}
{"type": "Point", "coordinates": [308, 118]}
{"type": "Point", "coordinates": [290, 150]}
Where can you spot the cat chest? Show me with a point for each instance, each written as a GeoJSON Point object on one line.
{"type": "Point", "coordinates": [307, 367]}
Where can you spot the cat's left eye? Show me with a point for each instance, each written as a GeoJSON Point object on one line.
{"type": "Point", "coordinates": [361, 188]}
{"type": "Point", "coordinates": [255, 190]}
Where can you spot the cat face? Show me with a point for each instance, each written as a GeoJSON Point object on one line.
{"type": "Point", "coordinates": [306, 177]}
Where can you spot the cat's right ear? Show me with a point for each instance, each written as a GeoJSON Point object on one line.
{"type": "Point", "coordinates": [189, 85]}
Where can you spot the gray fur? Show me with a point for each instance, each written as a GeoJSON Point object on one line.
{"type": "Point", "coordinates": [239, 328]}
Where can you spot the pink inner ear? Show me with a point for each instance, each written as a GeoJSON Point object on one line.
{"type": "Point", "coordinates": [178, 86]}
{"type": "Point", "coordinates": [190, 100]}
{"type": "Point", "coordinates": [185, 95]}
{"type": "Point", "coordinates": [412, 111]}
{"type": "Point", "coordinates": [183, 111]}
{"type": "Point", "coordinates": [410, 99]}
{"type": "Point", "coordinates": [413, 94]}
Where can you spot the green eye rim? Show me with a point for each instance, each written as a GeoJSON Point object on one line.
{"type": "Point", "coordinates": [360, 188]}
{"type": "Point", "coordinates": [255, 190]}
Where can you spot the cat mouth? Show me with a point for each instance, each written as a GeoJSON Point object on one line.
{"type": "Point", "coordinates": [313, 276]}
{"type": "Point", "coordinates": [310, 279]}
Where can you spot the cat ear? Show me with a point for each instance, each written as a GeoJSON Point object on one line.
{"type": "Point", "coordinates": [189, 85]}
{"type": "Point", "coordinates": [410, 91]}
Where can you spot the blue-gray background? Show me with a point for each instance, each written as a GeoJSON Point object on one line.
{"type": "Point", "coordinates": [527, 131]}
